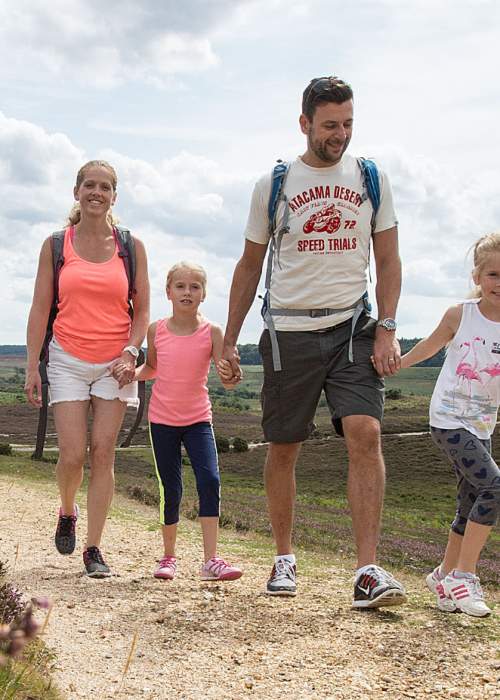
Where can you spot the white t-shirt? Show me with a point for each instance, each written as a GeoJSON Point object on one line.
{"type": "Point", "coordinates": [323, 260]}
{"type": "Point", "coordinates": [467, 391]}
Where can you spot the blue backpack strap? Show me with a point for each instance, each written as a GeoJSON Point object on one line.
{"type": "Point", "coordinates": [280, 171]}
{"type": "Point", "coordinates": [371, 180]}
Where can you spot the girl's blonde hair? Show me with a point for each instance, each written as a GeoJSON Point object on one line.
{"type": "Point", "coordinates": [486, 245]}
{"type": "Point", "coordinates": [75, 215]}
{"type": "Point", "coordinates": [192, 267]}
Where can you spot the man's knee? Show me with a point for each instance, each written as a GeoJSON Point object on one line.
{"type": "Point", "coordinates": [282, 456]}
{"type": "Point", "coordinates": [362, 436]}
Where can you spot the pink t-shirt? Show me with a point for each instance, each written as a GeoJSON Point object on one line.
{"type": "Point", "coordinates": [92, 323]}
{"type": "Point", "coordinates": [180, 392]}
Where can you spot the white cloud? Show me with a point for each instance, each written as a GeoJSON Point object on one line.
{"type": "Point", "coordinates": [107, 44]}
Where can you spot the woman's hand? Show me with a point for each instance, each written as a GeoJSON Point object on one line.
{"type": "Point", "coordinates": [123, 369]}
{"type": "Point", "coordinates": [33, 387]}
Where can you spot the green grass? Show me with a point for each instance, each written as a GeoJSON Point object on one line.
{"type": "Point", "coordinates": [30, 677]}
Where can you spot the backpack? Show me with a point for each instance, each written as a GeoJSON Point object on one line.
{"type": "Point", "coordinates": [371, 185]}
{"type": "Point", "coordinates": [126, 250]}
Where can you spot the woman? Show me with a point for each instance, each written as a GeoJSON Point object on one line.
{"type": "Point", "coordinates": [94, 341]}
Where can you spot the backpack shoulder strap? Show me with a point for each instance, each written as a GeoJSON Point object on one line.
{"type": "Point", "coordinates": [371, 181]}
{"type": "Point", "coordinates": [126, 250]}
{"type": "Point", "coordinates": [57, 245]}
{"type": "Point", "coordinates": [278, 177]}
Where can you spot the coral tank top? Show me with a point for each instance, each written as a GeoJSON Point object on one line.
{"type": "Point", "coordinates": [92, 323]}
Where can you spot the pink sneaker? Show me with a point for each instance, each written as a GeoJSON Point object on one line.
{"type": "Point", "coordinates": [166, 568]}
{"type": "Point", "coordinates": [216, 569]}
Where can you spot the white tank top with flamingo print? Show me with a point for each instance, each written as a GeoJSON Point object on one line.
{"type": "Point", "coordinates": [467, 392]}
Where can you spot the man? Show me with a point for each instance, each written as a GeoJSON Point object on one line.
{"type": "Point", "coordinates": [319, 336]}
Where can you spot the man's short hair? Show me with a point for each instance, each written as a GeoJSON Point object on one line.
{"type": "Point", "coordinates": [326, 89]}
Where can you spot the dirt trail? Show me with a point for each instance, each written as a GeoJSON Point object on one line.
{"type": "Point", "coordinates": [199, 640]}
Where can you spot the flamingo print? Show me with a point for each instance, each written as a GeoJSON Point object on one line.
{"type": "Point", "coordinates": [466, 372]}
{"type": "Point", "coordinates": [493, 370]}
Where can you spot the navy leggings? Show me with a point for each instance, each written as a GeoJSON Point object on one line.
{"type": "Point", "coordinates": [199, 441]}
{"type": "Point", "coordinates": [478, 476]}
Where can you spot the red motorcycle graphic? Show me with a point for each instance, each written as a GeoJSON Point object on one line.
{"type": "Point", "coordinates": [327, 220]}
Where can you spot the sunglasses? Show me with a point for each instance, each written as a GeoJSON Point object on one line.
{"type": "Point", "coordinates": [322, 86]}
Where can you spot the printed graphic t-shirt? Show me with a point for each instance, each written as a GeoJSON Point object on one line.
{"type": "Point", "coordinates": [467, 392]}
{"type": "Point", "coordinates": [323, 260]}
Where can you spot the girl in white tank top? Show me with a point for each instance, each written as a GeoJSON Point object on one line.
{"type": "Point", "coordinates": [463, 416]}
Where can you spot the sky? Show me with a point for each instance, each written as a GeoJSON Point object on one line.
{"type": "Point", "coordinates": [191, 102]}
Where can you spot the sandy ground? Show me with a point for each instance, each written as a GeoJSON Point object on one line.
{"type": "Point", "coordinates": [197, 640]}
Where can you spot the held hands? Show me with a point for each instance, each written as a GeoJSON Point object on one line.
{"type": "Point", "coordinates": [33, 387]}
{"type": "Point", "coordinates": [123, 369]}
{"type": "Point", "coordinates": [386, 357]}
{"type": "Point", "coordinates": [230, 373]}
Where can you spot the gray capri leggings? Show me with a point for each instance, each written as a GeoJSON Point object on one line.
{"type": "Point", "coordinates": [478, 476]}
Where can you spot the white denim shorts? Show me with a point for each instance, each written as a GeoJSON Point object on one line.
{"type": "Point", "coordinates": [71, 379]}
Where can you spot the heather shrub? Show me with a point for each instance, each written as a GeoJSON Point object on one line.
{"type": "Point", "coordinates": [240, 444]}
{"type": "Point", "coordinates": [222, 443]}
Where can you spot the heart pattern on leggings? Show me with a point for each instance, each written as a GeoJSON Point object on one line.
{"type": "Point", "coordinates": [481, 473]}
{"type": "Point", "coordinates": [483, 511]}
{"type": "Point", "coordinates": [468, 462]}
{"type": "Point", "coordinates": [470, 445]}
{"type": "Point", "coordinates": [454, 440]}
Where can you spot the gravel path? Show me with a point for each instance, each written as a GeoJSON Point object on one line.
{"type": "Point", "coordinates": [196, 640]}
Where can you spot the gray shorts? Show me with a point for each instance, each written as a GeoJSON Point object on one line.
{"type": "Point", "coordinates": [313, 361]}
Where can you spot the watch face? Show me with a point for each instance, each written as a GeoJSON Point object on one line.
{"type": "Point", "coordinates": [132, 350]}
{"type": "Point", "coordinates": [388, 323]}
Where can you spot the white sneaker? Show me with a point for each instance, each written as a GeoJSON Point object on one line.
{"type": "Point", "coordinates": [435, 585]}
{"type": "Point", "coordinates": [282, 579]}
{"type": "Point", "coordinates": [466, 593]}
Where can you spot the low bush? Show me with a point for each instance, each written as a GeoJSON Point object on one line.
{"type": "Point", "coordinates": [240, 445]}
{"type": "Point", "coordinates": [222, 443]}
{"type": "Point", "coordinates": [5, 448]}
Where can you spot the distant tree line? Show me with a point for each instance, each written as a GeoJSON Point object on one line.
{"type": "Point", "coordinates": [249, 353]}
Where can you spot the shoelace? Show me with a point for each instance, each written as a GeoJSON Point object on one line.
{"type": "Point", "coordinates": [477, 591]}
{"type": "Point", "coordinates": [381, 575]}
{"type": "Point", "coordinates": [168, 562]}
{"type": "Point", "coordinates": [283, 568]}
{"type": "Point", "coordinates": [66, 525]}
{"type": "Point", "coordinates": [94, 554]}
{"type": "Point", "coordinates": [217, 565]}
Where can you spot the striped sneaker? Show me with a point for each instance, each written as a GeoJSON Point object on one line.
{"type": "Point", "coordinates": [375, 587]}
{"type": "Point", "coordinates": [216, 569]}
{"type": "Point", "coordinates": [166, 568]}
{"type": "Point", "coordinates": [466, 592]}
{"type": "Point", "coordinates": [434, 583]}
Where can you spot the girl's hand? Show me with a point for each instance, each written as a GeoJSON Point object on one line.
{"type": "Point", "coordinates": [33, 387]}
{"type": "Point", "coordinates": [225, 372]}
{"type": "Point", "coordinates": [123, 370]}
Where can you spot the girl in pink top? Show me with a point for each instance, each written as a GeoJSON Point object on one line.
{"type": "Point", "coordinates": [180, 348]}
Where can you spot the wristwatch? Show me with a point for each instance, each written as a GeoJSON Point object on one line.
{"type": "Point", "coordinates": [388, 323]}
{"type": "Point", "coordinates": [132, 350]}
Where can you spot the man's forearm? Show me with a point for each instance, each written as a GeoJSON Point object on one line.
{"type": "Point", "coordinates": [243, 289]}
{"type": "Point", "coordinates": [388, 288]}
